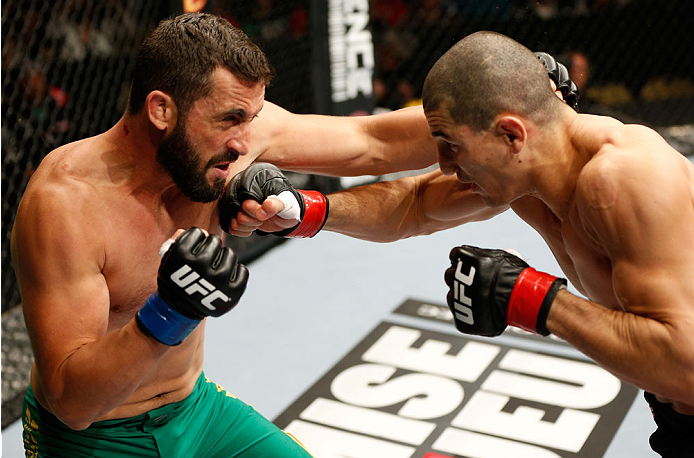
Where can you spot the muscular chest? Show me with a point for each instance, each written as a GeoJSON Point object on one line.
{"type": "Point", "coordinates": [582, 260]}
{"type": "Point", "coordinates": [132, 253]}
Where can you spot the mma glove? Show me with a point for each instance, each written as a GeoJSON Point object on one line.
{"type": "Point", "coordinates": [260, 181]}
{"type": "Point", "coordinates": [560, 75]}
{"type": "Point", "coordinates": [198, 277]}
{"type": "Point", "coordinates": [490, 289]}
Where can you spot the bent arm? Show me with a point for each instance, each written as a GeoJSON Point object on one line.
{"type": "Point", "coordinates": [410, 206]}
{"type": "Point", "coordinates": [647, 237]}
{"type": "Point", "coordinates": [343, 145]}
{"type": "Point", "coordinates": [651, 352]}
{"type": "Point", "coordinates": [83, 372]}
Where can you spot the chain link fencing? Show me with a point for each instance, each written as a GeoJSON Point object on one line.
{"type": "Point", "coordinates": [631, 59]}
{"type": "Point", "coordinates": [66, 67]}
{"type": "Point", "coordinates": [65, 72]}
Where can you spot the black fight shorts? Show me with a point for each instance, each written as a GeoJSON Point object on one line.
{"type": "Point", "coordinates": [674, 437]}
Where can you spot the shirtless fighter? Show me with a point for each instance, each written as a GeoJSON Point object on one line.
{"type": "Point", "coordinates": [614, 202]}
{"type": "Point", "coordinates": [117, 331]}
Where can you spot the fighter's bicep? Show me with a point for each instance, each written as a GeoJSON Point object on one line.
{"type": "Point", "coordinates": [449, 202]}
{"type": "Point", "coordinates": [64, 294]}
{"type": "Point", "coordinates": [626, 216]}
{"type": "Point", "coordinates": [641, 232]}
{"type": "Point", "coordinates": [307, 143]}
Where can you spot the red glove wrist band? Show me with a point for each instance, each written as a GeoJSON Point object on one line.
{"type": "Point", "coordinates": [315, 215]}
{"type": "Point", "coordinates": [531, 299]}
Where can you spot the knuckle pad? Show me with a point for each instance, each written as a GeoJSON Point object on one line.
{"type": "Point", "coordinates": [189, 239]}
{"type": "Point", "coordinates": [209, 246]}
{"type": "Point", "coordinates": [239, 280]}
{"type": "Point", "coordinates": [231, 256]}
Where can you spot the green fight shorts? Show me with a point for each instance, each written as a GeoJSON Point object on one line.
{"type": "Point", "coordinates": [209, 423]}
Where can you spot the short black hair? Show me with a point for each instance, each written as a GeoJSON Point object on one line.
{"type": "Point", "coordinates": [485, 74]}
{"type": "Point", "coordinates": [179, 56]}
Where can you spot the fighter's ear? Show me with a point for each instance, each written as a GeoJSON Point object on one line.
{"type": "Point", "coordinates": [161, 110]}
{"type": "Point", "coordinates": [512, 130]}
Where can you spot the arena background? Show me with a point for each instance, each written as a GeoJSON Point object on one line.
{"type": "Point", "coordinates": [66, 67]}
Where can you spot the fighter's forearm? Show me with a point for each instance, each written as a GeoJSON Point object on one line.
{"type": "Point", "coordinates": [101, 375]}
{"type": "Point", "coordinates": [639, 350]}
{"type": "Point", "coordinates": [410, 206]}
{"type": "Point", "coordinates": [379, 212]}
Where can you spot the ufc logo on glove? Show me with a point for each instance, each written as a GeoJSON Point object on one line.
{"type": "Point", "coordinates": [194, 263]}
{"type": "Point", "coordinates": [503, 289]}
{"type": "Point", "coordinates": [186, 277]}
{"type": "Point", "coordinates": [462, 303]}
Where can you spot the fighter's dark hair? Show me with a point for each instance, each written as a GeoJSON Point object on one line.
{"type": "Point", "coordinates": [485, 74]}
{"type": "Point", "coordinates": [179, 56]}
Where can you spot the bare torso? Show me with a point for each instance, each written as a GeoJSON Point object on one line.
{"type": "Point", "coordinates": [581, 259]}
{"type": "Point", "coordinates": [131, 227]}
{"type": "Point", "coordinates": [586, 262]}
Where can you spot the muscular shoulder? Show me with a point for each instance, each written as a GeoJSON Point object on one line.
{"type": "Point", "coordinates": [57, 209]}
{"type": "Point", "coordinates": [635, 180]}
{"type": "Point", "coordinates": [58, 187]}
{"type": "Point", "coordinates": [52, 199]}
{"type": "Point", "coordinates": [53, 213]}
{"type": "Point", "coordinates": [632, 161]}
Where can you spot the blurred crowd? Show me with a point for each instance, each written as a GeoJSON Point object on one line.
{"type": "Point", "coordinates": [56, 59]}
{"type": "Point", "coordinates": [66, 64]}
{"type": "Point", "coordinates": [586, 35]}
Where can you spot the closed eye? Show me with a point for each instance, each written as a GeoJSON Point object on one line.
{"type": "Point", "coordinates": [445, 146]}
{"type": "Point", "coordinates": [237, 119]}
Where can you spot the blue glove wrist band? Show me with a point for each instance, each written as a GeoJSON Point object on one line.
{"type": "Point", "coordinates": [165, 324]}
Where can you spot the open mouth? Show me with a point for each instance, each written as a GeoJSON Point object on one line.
{"type": "Point", "coordinates": [224, 166]}
{"type": "Point", "coordinates": [463, 178]}
{"type": "Point", "coordinates": [224, 160]}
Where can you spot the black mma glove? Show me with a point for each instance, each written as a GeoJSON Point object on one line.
{"type": "Point", "coordinates": [560, 75]}
{"type": "Point", "coordinates": [198, 277]}
{"type": "Point", "coordinates": [490, 289]}
{"type": "Point", "coordinates": [260, 181]}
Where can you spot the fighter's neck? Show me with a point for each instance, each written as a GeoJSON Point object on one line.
{"type": "Point", "coordinates": [562, 157]}
{"type": "Point", "coordinates": [135, 156]}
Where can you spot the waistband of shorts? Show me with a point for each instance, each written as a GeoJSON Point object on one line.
{"type": "Point", "coordinates": [662, 411]}
{"type": "Point", "coordinates": [159, 415]}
